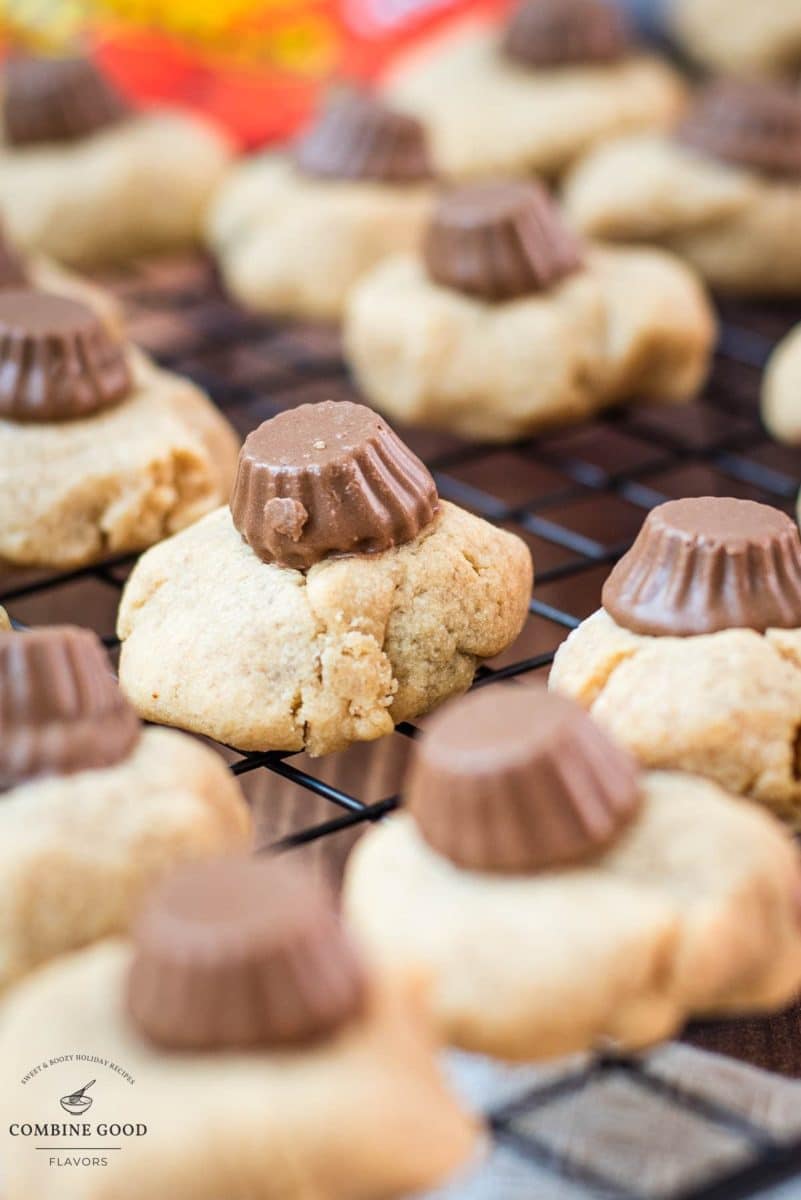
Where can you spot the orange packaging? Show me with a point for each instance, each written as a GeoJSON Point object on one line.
{"type": "Point", "coordinates": [256, 65]}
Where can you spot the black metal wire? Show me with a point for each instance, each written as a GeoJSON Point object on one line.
{"type": "Point", "coordinates": [736, 456]}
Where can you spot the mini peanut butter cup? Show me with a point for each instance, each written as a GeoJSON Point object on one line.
{"type": "Point", "coordinates": [518, 780]}
{"type": "Point", "coordinates": [57, 100]}
{"type": "Point", "coordinates": [329, 479]}
{"type": "Point", "coordinates": [499, 240]}
{"type": "Point", "coordinates": [61, 710]}
{"type": "Point", "coordinates": [749, 123]}
{"type": "Point", "coordinates": [558, 33]}
{"type": "Point", "coordinates": [242, 952]}
{"type": "Point", "coordinates": [358, 137]}
{"type": "Point", "coordinates": [58, 362]}
{"type": "Point", "coordinates": [702, 565]}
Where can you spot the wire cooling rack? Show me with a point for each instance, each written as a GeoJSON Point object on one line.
{"type": "Point", "coordinates": [577, 496]}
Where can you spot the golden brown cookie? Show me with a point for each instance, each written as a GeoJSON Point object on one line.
{"type": "Point", "coordinates": [245, 1025]}
{"type": "Point", "coordinates": [76, 490]}
{"type": "Point", "coordinates": [294, 231]}
{"type": "Point", "coordinates": [266, 657]}
{"type": "Point", "coordinates": [392, 601]}
{"type": "Point", "coordinates": [699, 668]}
{"type": "Point", "coordinates": [80, 852]}
{"type": "Point", "coordinates": [559, 899]}
{"type": "Point", "coordinates": [618, 951]}
{"type": "Point", "coordinates": [80, 170]}
{"type": "Point", "coordinates": [93, 809]}
{"type": "Point", "coordinates": [696, 194]}
{"type": "Point", "coordinates": [631, 323]}
{"type": "Point", "coordinates": [489, 114]}
{"type": "Point", "coordinates": [294, 244]}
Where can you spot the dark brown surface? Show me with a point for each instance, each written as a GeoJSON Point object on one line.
{"type": "Point", "coordinates": [749, 123]}
{"type": "Point", "coordinates": [327, 479]}
{"type": "Point", "coordinates": [357, 137]}
{"type": "Point", "coordinates": [514, 778]}
{"type": "Point", "coordinates": [242, 952]}
{"type": "Point", "coordinates": [557, 33]}
{"type": "Point", "coordinates": [498, 240]}
{"type": "Point", "coordinates": [58, 361]}
{"type": "Point", "coordinates": [705, 564]}
{"type": "Point", "coordinates": [56, 100]}
{"type": "Point", "coordinates": [590, 489]}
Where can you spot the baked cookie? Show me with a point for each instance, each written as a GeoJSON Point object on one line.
{"type": "Point", "coordinates": [293, 232]}
{"type": "Point", "coordinates": [724, 192]}
{"type": "Point", "coordinates": [94, 808]}
{"type": "Point", "coordinates": [506, 324]}
{"type": "Point", "coordinates": [100, 451]}
{"type": "Point", "coordinates": [559, 900]}
{"type": "Point", "coordinates": [739, 36]}
{"type": "Point", "coordinates": [561, 77]}
{"type": "Point", "coordinates": [251, 1034]}
{"type": "Point", "coordinates": [781, 390]}
{"type": "Point", "coordinates": [694, 662]}
{"type": "Point", "coordinates": [84, 179]}
{"type": "Point", "coordinates": [337, 597]}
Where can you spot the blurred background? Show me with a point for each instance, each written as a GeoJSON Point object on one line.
{"type": "Point", "coordinates": [256, 65]}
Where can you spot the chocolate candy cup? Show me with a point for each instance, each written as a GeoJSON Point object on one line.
{"type": "Point", "coordinates": [242, 952]}
{"type": "Point", "coordinates": [357, 137]}
{"type": "Point", "coordinates": [327, 479]}
{"type": "Point", "coordinates": [702, 565]}
{"type": "Point", "coordinates": [61, 710]}
{"type": "Point", "coordinates": [56, 100]}
{"type": "Point", "coordinates": [58, 362]}
{"type": "Point", "coordinates": [748, 123]}
{"type": "Point", "coordinates": [515, 779]}
{"type": "Point", "coordinates": [559, 33]}
{"type": "Point", "coordinates": [499, 240]}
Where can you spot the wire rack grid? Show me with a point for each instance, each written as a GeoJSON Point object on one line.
{"type": "Point", "coordinates": [577, 496]}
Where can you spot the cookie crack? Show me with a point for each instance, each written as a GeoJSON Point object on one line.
{"type": "Point", "coordinates": [328, 633]}
{"type": "Point", "coordinates": [474, 566]}
{"type": "Point", "coordinates": [615, 663]}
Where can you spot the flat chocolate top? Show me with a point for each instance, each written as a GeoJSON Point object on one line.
{"type": "Point", "coordinates": [749, 123]}
{"type": "Point", "coordinates": [242, 952]}
{"type": "Point", "coordinates": [56, 100]}
{"type": "Point", "coordinates": [726, 521]}
{"type": "Point", "coordinates": [496, 200]}
{"type": "Point", "coordinates": [327, 479]}
{"type": "Point", "coordinates": [58, 362]}
{"type": "Point", "coordinates": [356, 136]}
{"type": "Point", "coordinates": [515, 779]}
{"type": "Point", "coordinates": [500, 239]}
{"type": "Point", "coordinates": [707, 564]}
{"type": "Point", "coordinates": [315, 435]}
{"type": "Point", "coordinates": [44, 314]}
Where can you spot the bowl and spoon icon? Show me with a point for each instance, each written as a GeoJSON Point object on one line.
{"type": "Point", "coordinates": [78, 1102]}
